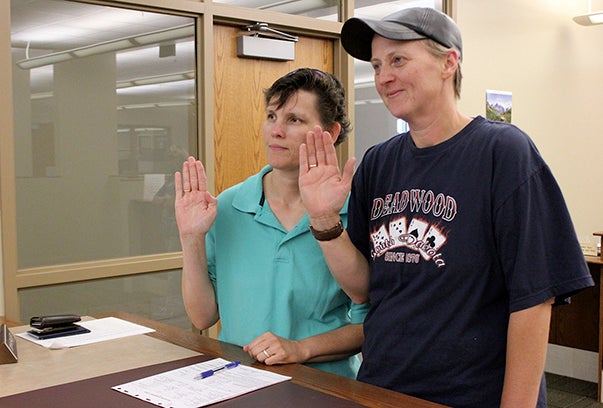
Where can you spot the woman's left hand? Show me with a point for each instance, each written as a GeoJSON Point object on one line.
{"type": "Point", "coordinates": [271, 349]}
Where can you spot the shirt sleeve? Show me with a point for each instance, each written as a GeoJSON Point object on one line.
{"type": "Point", "coordinates": [538, 247]}
{"type": "Point", "coordinates": [210, 252]}
{"type": "Point", "coordinates": [358, 312]}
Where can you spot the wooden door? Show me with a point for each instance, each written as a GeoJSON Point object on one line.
{"type": "Point", "coordinates": [239, 105]}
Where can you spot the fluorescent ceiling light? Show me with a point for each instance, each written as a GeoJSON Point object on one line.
{"type": "Point", "coordinates": [156, 79]}
{"type": "Point", "coordinates": [173, 104]}
{"type": "Point", "coordinates": [44, 60]}
{"type": "Point", "coordinates": [369, 102]}
{"type": "Point", "coordinates": [297, 7]}
{"type": "Point", "coordinates": [170, 34]}
{"type": "Point", "coordinates": [42, 95]}
{"type": "Point", "coordinates": [382, 9]}
{"type": "Point", "coordinates": [119, 44]}
{"type": "Point", "coordinates": [154, 105]}
{"type": "Point", "coordinates": [151, 80]}
{"type": "Point", "coordinates": [590, 18]}
{"type": "Point", "coordinates": [101, 48]}
{"type": "Point", "coordinates": [160, 79]}
{"type": "Point", "coordinates": [596, 18]}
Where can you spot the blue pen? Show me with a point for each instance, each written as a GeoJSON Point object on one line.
{"type": "Point", "coordinates": [209, 373]}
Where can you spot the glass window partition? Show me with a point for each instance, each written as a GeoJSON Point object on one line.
{"type": "Point", "coordinates": [321, 9]}
{"type": "Point", "coordinates": [105, 112]}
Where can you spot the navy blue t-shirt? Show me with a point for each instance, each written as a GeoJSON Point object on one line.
{"type": "Point", "coordinates": [458, 236]}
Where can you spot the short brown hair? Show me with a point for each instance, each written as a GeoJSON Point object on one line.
{"type": "Point", "coordinates": [328, 89]}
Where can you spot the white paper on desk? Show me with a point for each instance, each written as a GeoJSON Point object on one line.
{"type": "Point", "coordinates": [107, 328]}
{"type": "Point", "coordinates": [180, 389]}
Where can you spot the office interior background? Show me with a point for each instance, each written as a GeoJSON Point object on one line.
{"type": "Point", "coordinates": [105, 103]}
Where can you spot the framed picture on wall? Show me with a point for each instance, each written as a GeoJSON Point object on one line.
{"type": "Point", "coordinates": [499, 105]}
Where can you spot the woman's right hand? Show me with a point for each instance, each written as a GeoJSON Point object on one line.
{"type": "Point", "coordinates": [323, 187]}
{"type": "Point", "coordinates": [195, 207]}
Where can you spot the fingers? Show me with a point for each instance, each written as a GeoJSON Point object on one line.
{"type": "Point", "coordinates": [265, 355]}
{"type": "Point", "coordinates": [348, 170]}
{"type": "Point", "coordinates": [319, 144]}
{"type": "Point", "coordinates": [265, 349]}
{"type": "Point", "coordinates": [261, 354]}
{"type": "Point", "coordinates": [311, 146]}
{"type": "Point", "coordinates": [328, 149]}
{"type": "Point", "coordinates": [303, 157]}
{"type": "Point", "coordinates": [193, 174]}
{"type": "Point", "coordinates": [186, 176]}
{"type": "Point", "coordinates": [178, 184]}
{"type": "Point", "coordinates": [193, 177]}
{"type": "Point", "coordinates": [318, 150]}
{"type": "Point", "coordinates": [202, 178]}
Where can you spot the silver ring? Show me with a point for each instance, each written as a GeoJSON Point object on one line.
{"type": "Point", "coordinates": [312, 165]}
{"type": "Point", "coordinates": [187, 191]}
{"type": "Point", "coordinates": [267, 354]}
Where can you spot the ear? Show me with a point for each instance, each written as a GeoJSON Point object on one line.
{"type": "Point", "coordinates": [335, 131]}
{"type": "Point", "coordinates": [451, 62]}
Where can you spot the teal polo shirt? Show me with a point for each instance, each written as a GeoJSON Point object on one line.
{"type": "Point", "coordinates": [268, 279]}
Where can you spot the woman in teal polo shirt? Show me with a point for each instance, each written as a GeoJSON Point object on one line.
{"type": "Point", "coordinates": [250, 258]}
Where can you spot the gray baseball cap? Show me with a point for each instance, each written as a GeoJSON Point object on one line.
{"type": "Point", "coordinates": [413, 23]}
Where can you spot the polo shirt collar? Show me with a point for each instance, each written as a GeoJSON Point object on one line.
{"type": "Point", "coordinates": [247, 199]}
{"type": "Point", "coordinates": [248, 196]}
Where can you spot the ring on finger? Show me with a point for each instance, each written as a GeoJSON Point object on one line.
{"type": "Point", "coordinates": [266, 353]}
{"type": "Point", "coordinates": [312, 165]}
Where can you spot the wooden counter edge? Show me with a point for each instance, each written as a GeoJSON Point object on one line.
{"type": "Point", "coordinates": [341, 387]}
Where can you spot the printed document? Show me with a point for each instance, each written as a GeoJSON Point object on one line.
{"type": "Point", "coordinates": [183, 387]}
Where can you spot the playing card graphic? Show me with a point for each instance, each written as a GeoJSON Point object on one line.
{"type": "Point", "coordinates": [417, 228]}
{"type": "Point", "coordinates": [432, 241]}
{"type": "Point", "coordinates": [397, 231]}
{"type": "Point", "coordinates": [381, 241]}
{"type": "Point", "coordinates": [419, 236]}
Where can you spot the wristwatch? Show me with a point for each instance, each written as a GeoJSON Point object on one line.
{"type": "Point", "coordinates": [327, 235]}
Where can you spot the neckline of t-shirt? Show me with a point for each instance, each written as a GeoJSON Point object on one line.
{"type": "Point", "coordinates": [445, 145]}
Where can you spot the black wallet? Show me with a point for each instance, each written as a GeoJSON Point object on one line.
{"type": "Point", "coordinates": [48, 327]}
{"type": "Point", "coordinates": [52, 332]}
{"type": "Point", "coordinates": [42, 322]}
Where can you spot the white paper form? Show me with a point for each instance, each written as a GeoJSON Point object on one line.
{"type": "Point", "coordinates": [107, 328]}
{"type": "Point", "coordinates": [182, 388]}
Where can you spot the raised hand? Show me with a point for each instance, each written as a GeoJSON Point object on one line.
{"type": "Point", "coordinates": [195, 207]}
{"type": "Point", "coordinates": [323, 187]}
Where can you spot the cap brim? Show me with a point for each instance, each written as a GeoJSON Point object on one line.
{"type": "Point", "coordinates": [357, 35]}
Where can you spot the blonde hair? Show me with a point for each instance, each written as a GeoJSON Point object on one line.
{"type": "Point", "coordinates": [439, 50]}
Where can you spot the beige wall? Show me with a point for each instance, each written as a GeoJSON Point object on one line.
{"type": "Point", "coordinates": [553, 68]}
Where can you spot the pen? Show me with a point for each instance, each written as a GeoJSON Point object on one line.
{"type": "Point", "coordinates": [209, 373]}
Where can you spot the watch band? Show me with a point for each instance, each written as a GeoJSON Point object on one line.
{"type": "Point", "coordinates": [327, 235]}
